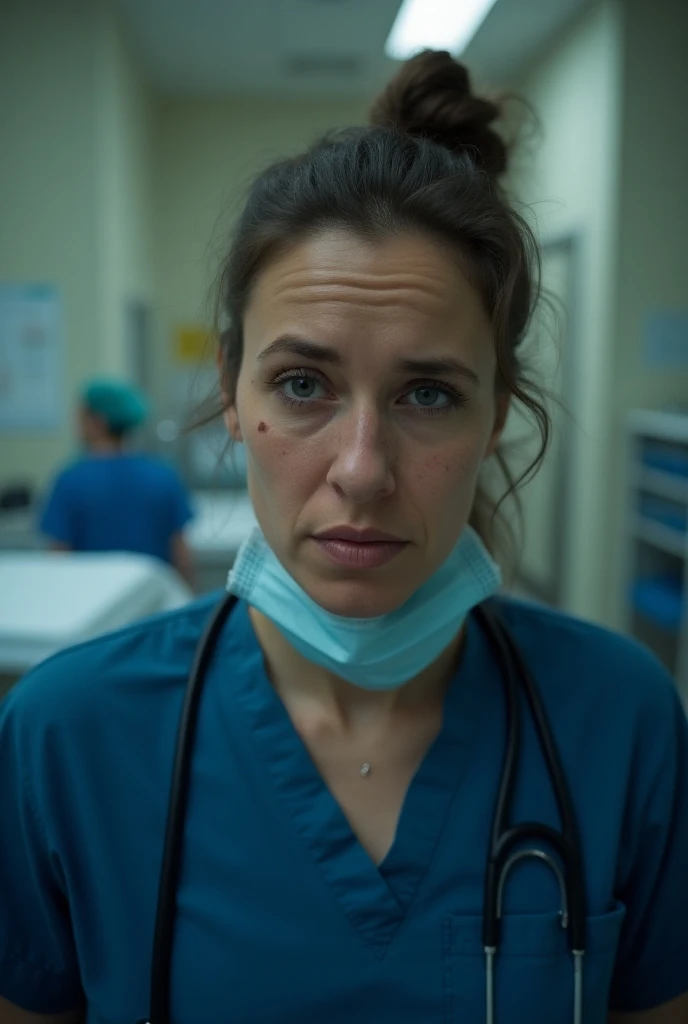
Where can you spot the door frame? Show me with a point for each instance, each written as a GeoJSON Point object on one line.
{"type": "Point", "coordinates": [553, 590]}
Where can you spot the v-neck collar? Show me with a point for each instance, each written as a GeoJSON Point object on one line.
{"type": "Point", "coordinates": [427, 806]}
{"type": "Point", "coordinates": [375, 899]}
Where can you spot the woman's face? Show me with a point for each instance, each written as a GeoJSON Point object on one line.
{"type": "Point", "coordinates": [366, 401]}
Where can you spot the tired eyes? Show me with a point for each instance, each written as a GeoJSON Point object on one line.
{"type": "Point", "coordinates": [299, 388]}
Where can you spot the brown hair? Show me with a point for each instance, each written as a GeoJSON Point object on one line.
{"type": "Point", "coordinates": [430, 160]}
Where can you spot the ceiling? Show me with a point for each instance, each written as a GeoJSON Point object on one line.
{"type": "Point", "coordinates": [311, 47]}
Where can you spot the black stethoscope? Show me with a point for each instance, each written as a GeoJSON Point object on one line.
{"type": "Point", "coordinates": [509, 843]}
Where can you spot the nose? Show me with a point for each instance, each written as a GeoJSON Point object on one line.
{"type": "Point", "coordinates": [362, 470]}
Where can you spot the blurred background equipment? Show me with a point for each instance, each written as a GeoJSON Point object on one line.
{"type": "Point", "coordinates": [18, 530]}
{"type": "Point", "coordinates": [222, 521]}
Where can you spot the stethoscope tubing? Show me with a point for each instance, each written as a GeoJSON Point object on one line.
{"type": "Point", "coordinates": [176, 816]}
{"type": "Point", "coordinates": [505, 838]}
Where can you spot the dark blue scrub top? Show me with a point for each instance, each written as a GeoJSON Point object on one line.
{"type": "Point", "coordinates": [282, 917]}
{"type": "Point", "coordinates": [123, 502]}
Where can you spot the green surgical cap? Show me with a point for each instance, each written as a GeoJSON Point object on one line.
{"type": "Point", "coordinates": [122, 406]}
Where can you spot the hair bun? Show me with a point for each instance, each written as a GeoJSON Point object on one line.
{"type": "Point", "coordinates": [431, 97]}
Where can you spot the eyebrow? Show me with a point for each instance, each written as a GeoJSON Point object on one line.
{"type": "Point", "coordinates": [290, 344]}
{"type": "Point", "coordinates": [293, 345]}
{"type": "Point", "coordinates": [445, 367]}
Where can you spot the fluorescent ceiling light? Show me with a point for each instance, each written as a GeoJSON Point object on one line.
{"type": "Point", "coordinates": [435, 25]}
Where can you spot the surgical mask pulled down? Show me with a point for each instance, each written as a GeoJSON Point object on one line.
{"type": "Point", "coordinates": [379, 653]}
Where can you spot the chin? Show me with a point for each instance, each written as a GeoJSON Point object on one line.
{"type": "Point", "coordinates": [356, 599]}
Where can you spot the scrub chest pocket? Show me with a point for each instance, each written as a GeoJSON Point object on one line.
{"type": "Point", "coordinates": [534, 969]}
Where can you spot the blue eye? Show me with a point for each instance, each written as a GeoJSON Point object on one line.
{"type": "Point", "coordinates": [429, 398]}
{"type": "Point", "coordinates": [302, 388]}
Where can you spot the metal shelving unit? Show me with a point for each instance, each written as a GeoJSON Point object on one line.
{"type": "Point", "coordinates": [656, 576]}
{"type": "Point", "coordinates": [664, 485]}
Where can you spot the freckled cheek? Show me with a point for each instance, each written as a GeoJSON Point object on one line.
{"type": "Point", "coordinates": [444, 477]}
{"type": "Point", "coordinates": [279, 461]}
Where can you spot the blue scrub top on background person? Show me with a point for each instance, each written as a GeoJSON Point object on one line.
{"type": "Point", "coordinates": [112, 499]}
{"type": "Point", "coordinates": [282, 916]}
{"type": "Point", "coordinates": [121, 502]}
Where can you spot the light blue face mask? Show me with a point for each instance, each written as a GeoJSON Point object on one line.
{"type": "Point", "coordinates": [378, 653]}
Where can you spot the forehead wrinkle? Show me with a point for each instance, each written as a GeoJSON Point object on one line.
{"type": "Point", "coordinates": [355, 305]}
{"type": "Point", "coordinates": [423, 279]}
{"type": "Point", "coordinates": [402, 295]}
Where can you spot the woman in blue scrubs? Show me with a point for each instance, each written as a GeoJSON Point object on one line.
{"type": "Point", "coordinates": [113, 498]}
{"type": "Point", "coordinates": [345, 767]}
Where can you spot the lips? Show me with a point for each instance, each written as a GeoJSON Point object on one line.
{"type": "Point", "coordinates": [359, 548]}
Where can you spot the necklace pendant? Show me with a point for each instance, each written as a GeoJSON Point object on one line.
{"type": "Point", "coordinates": [365, 770]}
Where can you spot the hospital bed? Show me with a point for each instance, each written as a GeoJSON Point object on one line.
{"type": "Point", "coordinates": [49, 601]}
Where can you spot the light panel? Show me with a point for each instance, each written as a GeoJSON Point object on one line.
{"type": "Point", "coordinates": [435, 25]}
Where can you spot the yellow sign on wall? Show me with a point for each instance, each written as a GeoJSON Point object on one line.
{"type": "Point", "coordinates": [194, 344]}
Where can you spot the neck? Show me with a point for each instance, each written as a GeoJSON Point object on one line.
{"type": "Point", "coordinates": [106, 446]}
{"type": "Point", "coordinates": [305, 686]}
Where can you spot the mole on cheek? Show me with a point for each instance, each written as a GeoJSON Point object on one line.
{"type": "Point", "coordinates": [262, 427]}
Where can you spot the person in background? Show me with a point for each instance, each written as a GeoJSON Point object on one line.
{"type": "Point", "coordinates": [112, 498]}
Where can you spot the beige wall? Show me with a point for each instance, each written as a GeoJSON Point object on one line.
{"type": "Point", "coordinates": [653, 194]}
{"type": "Point", "coordinates": [570, 183]}
{"type": "Point", "coordinates": [48, 186]}
{"type": "Point", "coordinates": [74, 191]}
{"type": "Point", "coordinates": [125, 130]}
{"type": "Point", "coordinates": [206, 154]}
